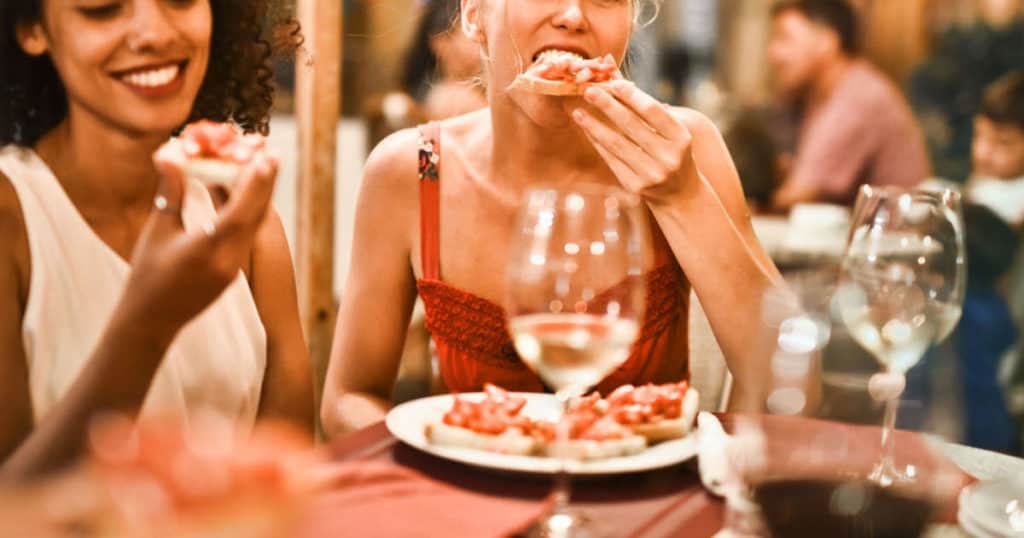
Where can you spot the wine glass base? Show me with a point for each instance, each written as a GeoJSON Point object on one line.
{"type": "Point", "coordinates": [565, 523]}
{"type": "Point", "coordinates": [886, 474]}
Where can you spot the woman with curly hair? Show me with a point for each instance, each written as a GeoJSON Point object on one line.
{"type": "Point", "coordinates": [124, 287]}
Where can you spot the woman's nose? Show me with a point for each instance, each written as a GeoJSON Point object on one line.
{"type": "Point", "coordinates": [570, 16]}
{"type": "Point", "coordinates": [151, 29]}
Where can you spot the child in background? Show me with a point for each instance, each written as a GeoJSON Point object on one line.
{"type": "Point", "coordinates": [997, 151]}
{"type": "Point", "coordinates": [986, 331]}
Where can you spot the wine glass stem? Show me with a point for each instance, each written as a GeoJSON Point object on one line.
{"type": "Point", "coordinates": [885, 473]}
{"type": "Point", "coordinates": [561, 489]}
{"type": "Point", "coordinates": [889, 430]}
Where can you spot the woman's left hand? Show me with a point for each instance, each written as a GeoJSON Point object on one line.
{"type": "Point", "coordinates": [643, 142]}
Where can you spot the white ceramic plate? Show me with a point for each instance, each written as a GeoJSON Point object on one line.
{"type": "Point", "coordinates": [995, 506]}
{"type": "Point", "coordinates": [407, 422]}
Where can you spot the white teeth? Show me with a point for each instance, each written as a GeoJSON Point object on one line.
{"type": "Point", "coordinates": [555, 52]}
{"type": "Point", "coordinates": [152, 78]}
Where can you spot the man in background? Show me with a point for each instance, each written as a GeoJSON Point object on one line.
{"type": "Point", "coordinates": [855, 125]}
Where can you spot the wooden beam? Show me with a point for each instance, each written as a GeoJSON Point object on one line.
{"type": "Point", "coordinates": [317, 107]}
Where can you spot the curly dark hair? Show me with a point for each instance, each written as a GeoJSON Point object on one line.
{"type": "Point", "coordinates": [238, 86]}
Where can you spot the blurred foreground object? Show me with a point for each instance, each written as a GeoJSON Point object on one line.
{"type": "Point", "coordinates": [158, 480]}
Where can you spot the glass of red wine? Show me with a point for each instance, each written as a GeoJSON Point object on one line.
{"type": "Point", "coordinates": [575, 299]}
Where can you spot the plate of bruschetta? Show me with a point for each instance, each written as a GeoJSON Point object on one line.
{"type": "Point", "coordinates": [633, 429]}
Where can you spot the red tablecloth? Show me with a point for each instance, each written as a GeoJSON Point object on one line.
{"type": "Point", "coordinates": [666, 502]}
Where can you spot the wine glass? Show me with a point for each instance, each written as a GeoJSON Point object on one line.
{"type": "Point", "coordinates": [901, 288]}
{"type": "Point", "coordinates": [575, 301]}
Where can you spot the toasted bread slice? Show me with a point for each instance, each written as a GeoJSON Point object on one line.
{"type": "Point", "coordinates": [553, 87]}
{"type": "Point", "coordinates": [673, 428]}
{"type": "Point", "coordinates": [213, 172]}
{"type": "Point", "coordinates": [588, 449]}
{"type": "Point", "coordinates": [510, 442]}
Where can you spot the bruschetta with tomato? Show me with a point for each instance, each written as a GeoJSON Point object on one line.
{"type": "Point", "coordinates": [657, 412]}
{"type": "Point", "coordinates": [216, 152]}
{"type": "Point", "coordinates": [565, 73]}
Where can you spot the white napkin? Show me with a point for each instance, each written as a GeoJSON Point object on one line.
{"type": "Point", "coordinates": [716, 472]}
{"type": "Point", "coordinates": [721, 460]}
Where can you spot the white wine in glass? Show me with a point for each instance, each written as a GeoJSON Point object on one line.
{"type": "Point", "coordinates": [902, 283]}
{"type": "Point", "coordinates": [573, 350]}
{"type": "Point", "coordinates": [575, 299]}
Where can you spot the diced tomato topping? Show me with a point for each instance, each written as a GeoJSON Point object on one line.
{"type": "Point", "coordinates": [647, 404]}
{"type": "Point", "coordinates": [208, 139]}
{"type": "Point", "coordinates": [570, 68]}
{"type": "Point", "coordinates": [495, 414]}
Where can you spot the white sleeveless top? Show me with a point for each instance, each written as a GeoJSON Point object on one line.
{"type": "Point", "coordinates": [217, 361]}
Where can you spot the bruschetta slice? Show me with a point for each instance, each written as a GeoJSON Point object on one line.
{"type": "Point", "coordinates": [217, 152]}
{"type": "Point", "coordinates": [493, 423]}
{"type": "Point", "coordinates": [564, 73]}
{"type": "Point", "coordinates": [657, 412]}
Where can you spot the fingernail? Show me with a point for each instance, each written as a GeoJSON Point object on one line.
{"type": "Point", "coordinates": [264, 164]}
{"type": "Point", "coordinates": [578, 115]}
{"type": "Point", "coordinates": [620, 86]}
{"type": "Point", "coordinates": [242, 153]}
{"type": "Point", "coordinates": [591, 94]}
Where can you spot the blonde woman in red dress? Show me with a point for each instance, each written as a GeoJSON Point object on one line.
{"type": "Point", "coordinates": [437, 206]}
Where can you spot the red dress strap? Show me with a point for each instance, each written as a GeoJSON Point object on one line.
{"type": "Point", "coordinates": [430, 199]}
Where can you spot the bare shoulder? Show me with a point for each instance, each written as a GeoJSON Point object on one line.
{"type": "Point", "coordinates": [695, 121]}
{"type": "Point", "coordinates": [14, 250]}
{"type": "Point", "coordinates": [391, 172]}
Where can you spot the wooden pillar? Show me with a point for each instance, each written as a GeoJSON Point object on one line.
{"type": "Point", "coordinates": [744, 28]}
{"type": "Point", "coordinates": [895, 34]}
{"type": "Point", "coordinates": [317, 106]}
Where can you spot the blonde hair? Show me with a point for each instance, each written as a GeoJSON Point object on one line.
{"type": "Point", "coordinates": [638, 9]}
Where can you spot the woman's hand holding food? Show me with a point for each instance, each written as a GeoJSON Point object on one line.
{"type": "Point", "coordinates": [177, 273]}
{"type": "Point", "coordinates": [644, 143]}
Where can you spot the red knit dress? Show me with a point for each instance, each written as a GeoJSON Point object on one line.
{"type": "Point", "coordinates": [471, 333]}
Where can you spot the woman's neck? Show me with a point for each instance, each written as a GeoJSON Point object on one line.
{"type": "Point", "coordinates": [100, 166]}
{"type": "Point", "coordinates": [526, 152]}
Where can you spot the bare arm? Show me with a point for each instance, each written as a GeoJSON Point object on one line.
{"type": "Point", "coordinates": [678, 161]}
{"type": "Point", "coordinates": [709, 229]}
{"type": "Point", "coordinates": [153, 308]}
{"type": "Point", "coordinates": [288, 382]}
{"type": "Point", "coordinates": [378, 297]}
{"type": "Point", "coordinates": [16, 413]}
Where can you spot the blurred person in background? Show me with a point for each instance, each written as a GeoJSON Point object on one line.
{"type": "Point", "coordinates": [997, 182]}
{"type": "Point", "coordinates": [947, 87]}
{"type": "Point", "coordinates": [855, 126]}
{"type": "Point", "coordinates": [993, 217]}
{"type": "Point", "coordinates": [440, 78]}
{"type": "Point", "coordinates": [997, 150]}
{"type": "Point", "coordinates": [986, 331]}
{"type": "Point", "coordinates": [758, 162]}
{"type": "Point", "coordinates": [442, 68]}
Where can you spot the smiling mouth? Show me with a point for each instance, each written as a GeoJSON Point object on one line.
{"type": "Point", "coordinates": [152, 77]}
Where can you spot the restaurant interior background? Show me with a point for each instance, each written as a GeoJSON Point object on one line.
{"type": "Point", "coordinates": [709, 55]}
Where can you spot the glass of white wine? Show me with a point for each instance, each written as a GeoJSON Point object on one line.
{"type": "Point", "coordinates": [575, 299]}
{"type": "Point", "coordinates": [901, 288]}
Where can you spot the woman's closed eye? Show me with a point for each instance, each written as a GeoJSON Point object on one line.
{"type": "Point", "coordinates": [100, 11]}
{"type": "Point", "coordinates": [181, 3]}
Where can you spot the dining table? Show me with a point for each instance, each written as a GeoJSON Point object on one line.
{"type": "Point", "coordinates": [671, 501]}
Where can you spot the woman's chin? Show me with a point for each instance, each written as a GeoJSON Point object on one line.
{"type": "Point", "coordinates": [545, 111]}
